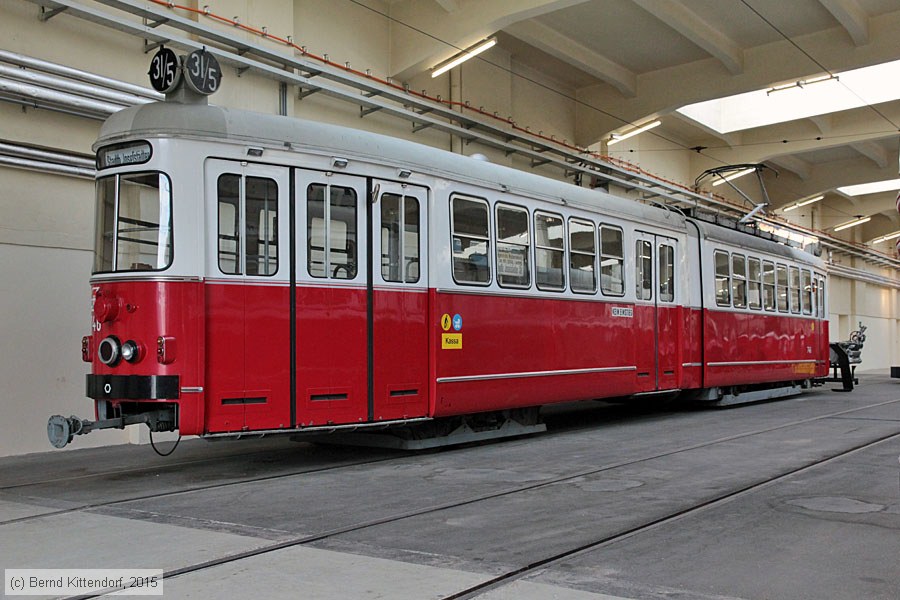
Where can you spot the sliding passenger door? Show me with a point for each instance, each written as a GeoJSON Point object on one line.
{"type": "Point", "coordinates": [247, 297]}
{"type": "Point", "coordinates": [399, 302]}
{"type": "Point", "coordinates": [330, 293]}
{"type": "Point", "coordinates": [656, 313]}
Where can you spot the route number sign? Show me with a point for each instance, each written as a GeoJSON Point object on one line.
{"type": "Point", "coordinates": [165, 71]}
{"type": "Point", "coordinates": [202, 72]}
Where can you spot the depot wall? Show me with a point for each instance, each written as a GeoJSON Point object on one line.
{"type": "Point", "coordinates": [47, 220]}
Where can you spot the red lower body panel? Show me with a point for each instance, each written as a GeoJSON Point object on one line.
{"type": "Point", "coordinates": [748, 348]}
{"type": "Point", "coordinates": [432, 353]}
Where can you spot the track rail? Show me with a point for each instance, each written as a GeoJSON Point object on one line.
{"type": "Point", "coordinates": [515, 574]}
{"type": "Point", "coordinates": [397, 457]}
{"type": "Point", "coordinates": [200, 488]}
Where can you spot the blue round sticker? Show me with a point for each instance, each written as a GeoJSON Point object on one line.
{"type": "Point", "coordinates": [457, 322]}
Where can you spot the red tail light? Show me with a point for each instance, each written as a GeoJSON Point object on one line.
{"type": "Point", "coordinates": [165, 350]}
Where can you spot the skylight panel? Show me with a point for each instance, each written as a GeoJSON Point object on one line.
{"type": "Point", "coordinates": [807, 98]}
{"type": "Point", "coordinates": [874, 187]}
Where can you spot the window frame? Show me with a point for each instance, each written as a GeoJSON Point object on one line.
{"type": "Point", "coordinates": [619, 258]}
{"type": "Point", "coordinates": [573, 252]}
{"type": "Point", "coordinates": [820, 300]}
{"type": "Point", "coordinates": [773, 307]}
{"type": "Point", "coordinates": [238, 230]}
{"type": "Point", "coordinates": [401, 242]}
{"type": "Point", "coordinates": [718, 275]}
{"type": "Point", "coordinates": [562, 251]}
{"type": "Point", "coordinates": [794, 286]}
{"type": "Point", "coordinates": [807, 298]}
{"type": "Point", "coordinates": [259, 214]}
{"type": "Point", "coordinates": [326, 218]}
{"type": "Point", "coordinates": [641, 260]}
{"type": "Point", "coordinates": [754, 283]}
{"type": "Point", "coordinates": [487, 240]}
{"type": "Point", "coordinates": [738, 280]}
{"type": "Point", "coordinates": [779, 270]}
{"type": "Point", "coordinates": [116, 179]}
{"type": "Point", "coordinates": [527, 246]}
{"type": "Point", "coordinates": [668, 297]}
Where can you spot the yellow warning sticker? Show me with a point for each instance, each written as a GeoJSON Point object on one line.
{"type": "Point", "coordinates": [808, 368]}
{"type": "Point", "coordinates": [446, 321]}
{"type": "Point", "coordinates": [451, 341]}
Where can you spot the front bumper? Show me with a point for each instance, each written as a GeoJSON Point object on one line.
{"type": "Point", "coordinates": [133, 387]}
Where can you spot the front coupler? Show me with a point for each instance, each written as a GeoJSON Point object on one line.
{"type": "Point", "coordinates": [61, 430]}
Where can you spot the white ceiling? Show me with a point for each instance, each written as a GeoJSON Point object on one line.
{"type": "Point", "coordinates": [627, 61]}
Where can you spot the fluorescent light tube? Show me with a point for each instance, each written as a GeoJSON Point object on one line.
{"type": "Point", "coordinates": [624, 136]}
{"type": "Point", "coordinates": [852, 223]}
{"type": "Point", "coordinates": [463, 57]}
{"type": "Point", "coordinates": [885, 238]}
{"type": "Point", "coordinates": [800, 203]}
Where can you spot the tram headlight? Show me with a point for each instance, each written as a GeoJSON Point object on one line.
{"type": "Point", "coordinates": [131, 351]}
{"type": "Point", "coordinates": [109, 351]}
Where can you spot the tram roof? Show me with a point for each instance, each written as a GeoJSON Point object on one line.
{"type": "Point", "coordinates": [169, 119]}
{"type": "Point", "coordinates": [202, 121]}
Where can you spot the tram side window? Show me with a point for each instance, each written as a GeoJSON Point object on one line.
{"type": "Point", "coordinates": [723, 278]}
{"type": "Point", "coordinates": [582, 256]}
{"type": "Point", "coordinates": [754, 283]}
{"type": "Point", "coordinates": [795, 290]}
{"type": "Point", "coordinates": [612, 271]}
{"type": "Point", "coordinates": [815, 295]}
{"type": "Point", "coordinates": [257, 226]}
{"type": "Point", "coordinates": [769, 285]}
{"type": "Point", "coordinates": [144, 224]}
{"type": "Point", "coordinates": [806, 291]}
{"type": "Point", "coordinates": [399, 238]}
{"type": "Point", "coordinates": [643, 261]}
{"type": "Point", "coordinates": [782, 287]}
{"type": "Point", "coordinates": [821, 298]}
{"type": "Point", "coordinates": [229, 195]}
{"type": "Point", "coordinates": [666, 273]}
{"type": "Point", "coordinates": [549, 252]}
{"type": "Point", "coordinates": [261, 206]}
{"type": "Point", "coordinates": [471, 241]}
{"type": "Point", "coordinates": [331, 231]}
{"type": "Point", "coordinates": [739, 280]}
{"type": "Point", "coordinates": [513, 247]}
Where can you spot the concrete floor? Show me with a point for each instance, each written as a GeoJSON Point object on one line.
{"type": "Point", "coordinates": [645, 503]}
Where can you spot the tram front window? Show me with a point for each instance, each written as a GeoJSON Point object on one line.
{"type": "Point", "coordinates": [133, 223]}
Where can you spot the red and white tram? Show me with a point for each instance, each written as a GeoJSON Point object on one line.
{"type": "Point", "coordinates": [257, 273]}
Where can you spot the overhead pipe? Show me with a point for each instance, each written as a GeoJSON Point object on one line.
{"type": "Point", "coordinates": [46, 167]}
{"type": "Point", "coordinates": [78, 75]}
{"type": "Point", "coordinates": [67, 85]}
{"type": "Point", "coordinates": [490, 134]}
{"type": "Point", "coordinates": [864, 276]}
{"type": "Point", "coordinates": [33, 95]}
{"type": "Point", "coordinates": [71, 159]}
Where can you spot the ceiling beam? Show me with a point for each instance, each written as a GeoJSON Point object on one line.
{"type": "Point", "coordinates": [430, 34]}
{"type": "Point", "coordinates": [570, 51]}
{"type": "Point", "coordinates": [689, 24]}
{"type": "Point", "coordinates": [449, 5]}
{"type": "Point", "coordinates": [852, 17]}
{"type": "Point", "coordinates": [873, 151]}
{"type": "Point", "coordinates": [825, 123]}
{"type": "Point", "coordinates": [797, 166]}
